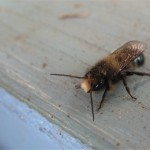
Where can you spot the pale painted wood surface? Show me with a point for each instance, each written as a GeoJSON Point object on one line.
{"type": "Point", "coordinates": [35, 42]}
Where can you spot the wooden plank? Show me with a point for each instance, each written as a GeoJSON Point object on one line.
{"type": "Point", "coordinates": [36, 42]}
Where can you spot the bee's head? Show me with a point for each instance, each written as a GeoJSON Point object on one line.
{"type": "Point", "coordinates": [93, 82]}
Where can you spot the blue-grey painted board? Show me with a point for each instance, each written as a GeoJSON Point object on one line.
{"type": "Point", "coordinates": [23, 128]}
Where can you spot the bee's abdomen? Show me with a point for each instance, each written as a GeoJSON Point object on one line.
{"type": "Point", "coordinates": [139, 61]}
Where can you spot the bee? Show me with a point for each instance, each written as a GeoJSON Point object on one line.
{"type": "Point", "coordinates": [112, 69]}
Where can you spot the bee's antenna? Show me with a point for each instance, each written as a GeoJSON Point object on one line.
{"type": "Point", "coordinates": [65, 75]}
{"type": "Point", "coordinates": [92, 104]}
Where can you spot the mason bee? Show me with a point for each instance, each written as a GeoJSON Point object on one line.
{"type": "Point", "coordinates": [113, 68]}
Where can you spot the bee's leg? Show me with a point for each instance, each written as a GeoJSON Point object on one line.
{"type": "Point", "coordinates": [129, 73]}
{"type": "Point", "coordinates": [127, 88]}
{"type": "Point", "coordinates": [103, 97]}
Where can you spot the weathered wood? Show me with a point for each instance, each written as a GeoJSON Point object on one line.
{"type": "Point", "coordinates": [36, 42]}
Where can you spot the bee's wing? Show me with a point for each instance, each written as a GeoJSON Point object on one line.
{"type": "Point", "coordinates": [127, 53]}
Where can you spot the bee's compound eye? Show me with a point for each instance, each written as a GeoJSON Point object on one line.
{"type": "Point", "coordinates": [96, 86]}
